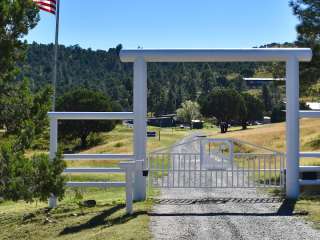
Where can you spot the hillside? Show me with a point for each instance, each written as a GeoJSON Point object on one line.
{"type": "Point", "coordinates": [169, 83]}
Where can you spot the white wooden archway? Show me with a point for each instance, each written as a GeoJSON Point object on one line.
{"type": "Point", "coordinates": [140, 58]}
{"type": "Point", "coordinates": [292, 57]}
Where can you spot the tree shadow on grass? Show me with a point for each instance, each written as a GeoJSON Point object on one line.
{"type": "Point", "coordinates": [102, 220]}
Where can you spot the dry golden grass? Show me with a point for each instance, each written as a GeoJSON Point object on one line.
{"type": "Point", "coordinates": [120, 140]}
{"type": "Point", "coordinates": [273, 136]}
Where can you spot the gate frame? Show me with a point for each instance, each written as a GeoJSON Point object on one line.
{"type": "Point", "coordinates": [291, 56]}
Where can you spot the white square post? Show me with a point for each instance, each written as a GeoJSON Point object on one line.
{"type": "Point", "coordinates": [52, 152]}
{"type": "Point", "coordinates": [129, 168]}
{"type": "Point", "coordinates": [292, 128]}
{"type": "Point", "coordinates": [140, 125]}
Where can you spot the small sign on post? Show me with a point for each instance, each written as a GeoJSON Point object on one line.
{"type": "Point", "coordinates": [151, 134]}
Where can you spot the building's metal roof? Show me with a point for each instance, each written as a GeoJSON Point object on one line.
{"type": "Point", "coordinates": [264, 79]}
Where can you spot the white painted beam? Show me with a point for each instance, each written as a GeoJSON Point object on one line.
{"type": "Point", "coordinates": [309, 182]}
{"type": "Point", "coordinates": [96, 184]}
{"type": "Point", "coordinates": [310, 154]}
{"type": "Point", "coordinates": [93, 170]}
{"type": "Point", "coordinates": [72, 157]}
{"type": "Point", "coordinates": [309, 168]}
{"type": "Point", "coordinates": [217, 55]}
{"type": "Point", "coordinates": [309, 114]}
{"type": "Point", "coordinates": [91, 115]}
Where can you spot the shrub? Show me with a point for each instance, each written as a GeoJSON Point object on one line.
{"type": "Point", "coordinates": [28, 179]}
{"type": "Point", "coordinates": [48, 177]}
{"type": "Point", "coordinates": [94, 139]}
{"type": "Point", "coordinates": [118, 144]}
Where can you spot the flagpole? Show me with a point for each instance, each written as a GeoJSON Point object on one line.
{"type": "Point", "coordinates": [54, 82]}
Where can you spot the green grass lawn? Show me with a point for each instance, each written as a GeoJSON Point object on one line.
{"type": "Point", "coordinates": [310, 203]}
{"type": "Point", "coordinates": [105, 221]}
{"type": "Point", "coordinates": [108, 219]}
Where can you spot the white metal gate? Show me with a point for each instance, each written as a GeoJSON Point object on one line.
{"type": "Point", "coordinates": [216, 163]}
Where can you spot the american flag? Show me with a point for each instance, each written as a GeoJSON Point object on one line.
{"type": "Point", "coordinates": [47, 5]}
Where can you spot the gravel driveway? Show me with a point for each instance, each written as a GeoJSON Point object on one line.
{"type": "Point", "coordinates": [225, 214]}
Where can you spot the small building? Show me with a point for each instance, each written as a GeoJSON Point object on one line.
{"type": "Point", "coordinates": [163, 121]}
{"type": "Point", "coordinates": [196, 124]}
{"type": "Point", "coordinates": [258, 82]}
{"type": "Point", "coordinates": [266, 120]}
{"type": "Point", "coordinates": [313, 105]}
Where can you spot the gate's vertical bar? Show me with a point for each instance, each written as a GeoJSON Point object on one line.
{"type": "Point", "coordinates": [222, 172]}
{"type": "Point", "coordinates": [178, 169]}
{"type": "Point", "coordinates": [259, 173]}
{"type": "Point", "coordinates": [280, 170]}
{"type": "Point", "coordinates": [202, 154]}
{"type": "Point", "coordinates": [254, 171]}
{"type": "Point", "coordinates": [216, 171]}
{"type": "Point", "coordinates": [237, 175]}
{"type": "Point", "coordinates": [211, 180]}
{"type": "Point", "coordinates": [52, 152]}
{"type": "Point", "coordinates": [200, 174]}
{"type": "Point", "coordinates": [157, 169]}
{"type": "Point", "coordinates": [162, 169]}
{"type": "Point", "coordinates": [168, 177]}
{"type": "Point", "coordinates": [184, 170]}
{"type": "Point", "coordinates": [202, 159]}
{"type": "Point", "coordinates": [243, 171]}
{"type": "Point", "coordinates": [150, 162]}
{"type": "Point", "coordinates": [195, 171]}
{"type": "Point", "coordinates": [231, 149]}
{"type": "Point", "coordinates": [248, 171]}
{"type": "Point", "coordinates": [173, 168]}
{"type": "Point", "coordinates": [270, 173]}
{"type": "Point", "coordinates": [275, 169]}
{"type": "Point", "coordinates": [264, 170]}
{"type": "Point", "coordinates": [140, 123]}
{"type": "Point", "coordinates": [189, 170]}
{"type": "Point", "coordinates": [205, 178]}
{"type": "Point", "coordinates": [292, 128]}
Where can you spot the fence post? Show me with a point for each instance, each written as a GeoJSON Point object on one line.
{"type": "Point", "coordinates": [129, 168]}
{"type": "Point", "coordinates": [292, 128]}
{"type": "Point", "coordinates": [52, 153]}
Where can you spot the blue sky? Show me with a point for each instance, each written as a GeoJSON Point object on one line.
{"type": "Point", "coordinates": [100, 24]}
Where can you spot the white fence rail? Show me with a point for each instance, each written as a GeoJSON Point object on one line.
{"type": "Point", "coordinates": [309, 114]}
{"type": "Point", "coordinates": [128, 168]}
{"type": "Point", "coordinates": [91, 115]}
{"type": "Point", "coordinates": [102, 156]}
